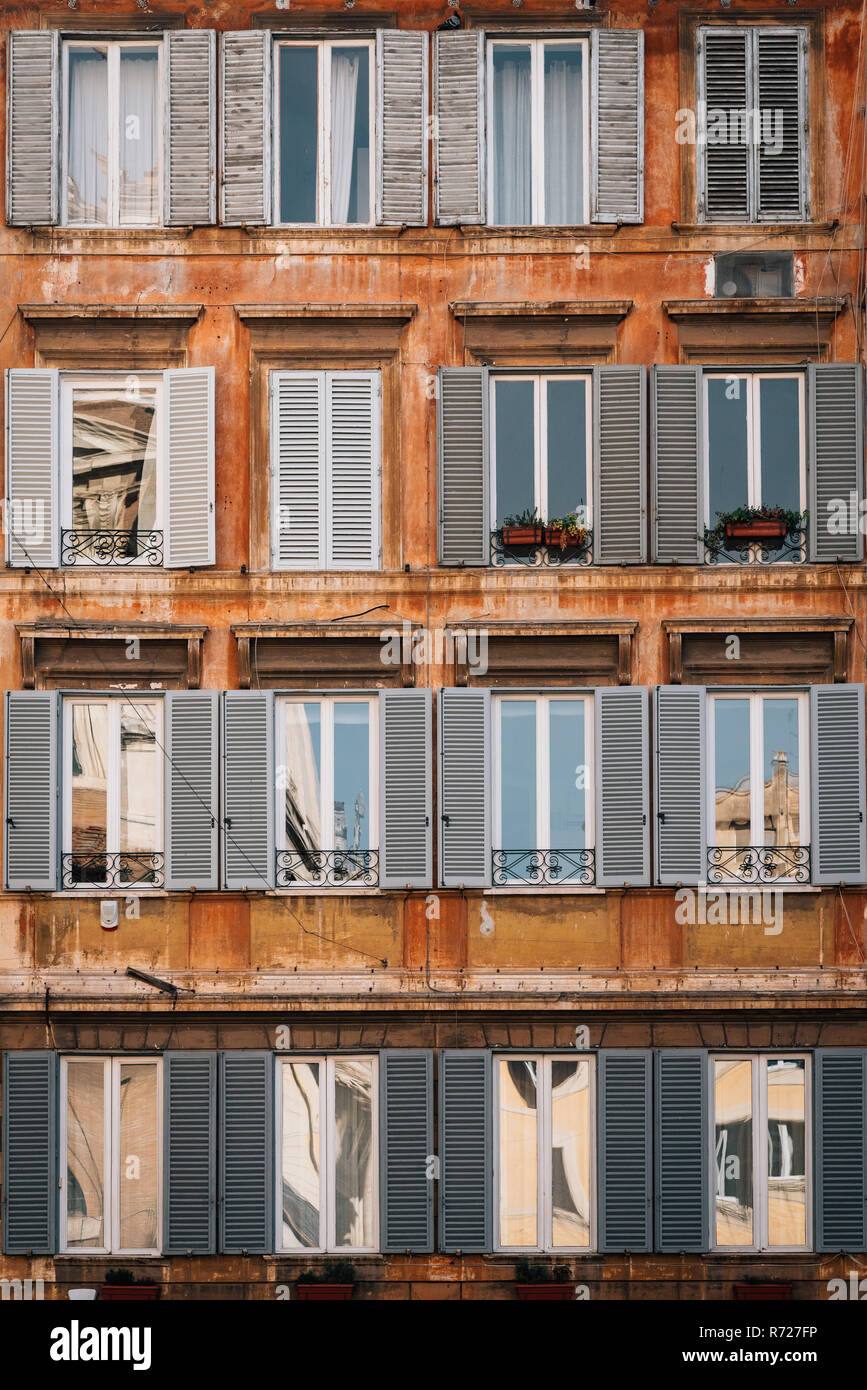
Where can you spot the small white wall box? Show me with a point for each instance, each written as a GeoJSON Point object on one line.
{"type": "Point", "coordinates": [108, 914]}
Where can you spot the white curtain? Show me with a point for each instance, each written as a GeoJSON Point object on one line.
{"type": "Point", "coordinates": [563, 140]}
{"type": "Point", "coordinates": [344, 96]}
{"type": "Point", "coordinates": [139, 157]}
{"type": "Point", "coordinates": [513, 204]}
{"type": "Point", "coordinates": [87, 167]}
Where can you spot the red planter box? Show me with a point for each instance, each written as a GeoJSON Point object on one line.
{"type": "Point", "coordinates": [325, 1293]}
{"type": "Point", "coordinates": [121, 1293]}
{"type": "Point", "coordinates": [545, 1293]}
{"type": "Point", "coordinates": [760, 1293]}
{"type": "Point", "coordinates": [523, 535]}
{"type": "Point", "coordinates": [562, 539]}
{"type": "Point", "coordinates": [762, 529]}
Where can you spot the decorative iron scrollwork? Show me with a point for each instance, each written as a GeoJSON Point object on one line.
{"type": "Point", "coordinates": [127, 870]}
{"type": "Point", "coordinates": [758, 864]}
{"type": "Point", "coordinates": [111, 547]}
{"type": "Point", "coordinates": [544, 867]}
{"type": "Point", "coordinates": [333, 868]}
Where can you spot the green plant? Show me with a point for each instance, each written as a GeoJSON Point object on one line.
{"type": "Point", "coordinates": [715, 537]}
{"type": "Point", "coordinates": [335, 1272]}
{"type": "Point", "coordinates": [536, 1272]}
{"type": "Point", "coordinates": [524, 518]}
{"type": "Point", "coordinates": [572, 529]}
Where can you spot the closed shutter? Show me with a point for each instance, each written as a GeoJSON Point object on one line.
{"type": "Point", "coordinates": [465, 779]}
{"type": "Point", "coordinates": [402, 128]}
{"type": "Point", "coordinates": [840, 1131]}
{"type": "Point", "coordinates": [459, 116]}
{"type": "Point", "coordinates": [835, 460]}
{"type": "Point", "coordinates": [31, 791]}
{"type": "Point", "coordinates": [353, 425]}
{"type": "Point", "coordinates": [406, 1149]}
{"type": "Point", "coordinates": [32, 466]}
{"type": "Point", "coordinates": [620, 438]}
{"type": "Point", "coordinates": [33, 127]}
{"type": "Point", "coordinates": [466, 1150]}
{"type": "Point", "coordinates": [191, 789]}
{"type": "Point", "coordinates": [297, 469]}
{"type": "Point", "coordinates": [781, 80]}
{"type": "Point", "coordinates": [462, 466]}
{"type": "Point", "coordinates": [246, 1152]}
{"type": "Point", "coordinates": [618, 125]}
{"type": "Point", "coordinates": [406, 756]}
{"type": "Point", "coordinates": [190, 162]}
{"type": "Point", "coordinates": [624, 1150]}
{"type": "Point", "coordinates": [839, 847]}
{"type": "Point", "coordinates": [723, 168]}
{"type": "Point", "coordinates": [245, 128]}
{"type": "Point", "coordinates": [682, 1156]}
{"type": "Point", "coordinates": [676, 443]}
{"type": "Point", "coordinates": [248, 789]}
{"type": "Point", "coordinates": [29, 1153]}
{"type": "Point", "coordinates": [190, 467]}
{"type": "Point", "coordinates": [190, 1153]}
{"type": "Point", "coordinates": [622, 785]}
{"type": "Point", "coordinates": [681, 846]}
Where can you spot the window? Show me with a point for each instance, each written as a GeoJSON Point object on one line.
{"type": "Point", "coordinates": [327, 1123]}
{"type": "Point", "coordinates": [544, 1153]}
{"type": "Point", "coordinates": [762, 1153]}
{"type": "Point", "coordinates": [754, 275]}
{"type": "Point", "coordinates": [112, 134]}
{"type": "Point", "coordinates": [111, 1147]}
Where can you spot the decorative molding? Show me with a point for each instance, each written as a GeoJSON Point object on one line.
{"type": "Point", "coordinates": [168, 652]}
{"type": "Point", "coordinates": [521, 332]}
{"type": "Point", "coordinates": [322, 655]}
{"type": "Point", "coordinates": [125, 337]}
{"type": "Point", "coordinates": [765, 638]}
{"type": "Point", "coordinates": [582, 651]}
{"type": "Point", "coordinates": [725, 330]}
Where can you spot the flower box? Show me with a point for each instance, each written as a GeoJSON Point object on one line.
{"type": "Point", "coordinates": [324, 1293]}
{"type": "Point", "coordinates": [561, 540]}
{"type": "Point", "coordinates": [761, 1292]}
{"type": "Point", "coordinates": [121, 1293]}
{"type": "Point", "coordinates": [761, 528]}
{"type": "Point", "coordinates": [543, 1291]}
{"type": "Point", "coordinates": [523, 535]}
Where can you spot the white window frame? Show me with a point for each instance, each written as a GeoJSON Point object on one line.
{"type": "Point", "coordinates": [537, 48]}
{"type": "Point", "coordinates": [327, 1154]}
{"type": "Point", "coordinates": [543, 701]}
{"type": "Point", "coordinates": [753, 380]}
{"type": "Point", "coordinates": [761, 1222]}
{"type": "Point", "coordinates": [541, 380]}
{"type": "Point", "coordinates": [328, 703]}
{"type": "Point", "coordinates": [112, 1156]}
{"type": "Point", "coordinates": [113, 48]}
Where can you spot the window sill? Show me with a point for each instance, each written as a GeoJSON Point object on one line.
{"type": "Point", "coordinates": [750, 228]}
{"type": "Point", "coordinates": [547, 890]}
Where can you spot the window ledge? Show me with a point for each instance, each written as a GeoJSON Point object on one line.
{"type": "Point", "coordinates": [177, 313]}
{"type": "Point", "coordinates": [549, 890]}
{"type": "Point", "coordinates": [826, 307]}
{"type": "Point", "coordinates": [403, 312]}
{"type": "Point", "coordinates": [750, 228]}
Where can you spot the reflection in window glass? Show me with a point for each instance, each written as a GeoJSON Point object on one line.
{"type": "Point", "coordinates": [570, 1153]}
{"type": "Point", "coordinates": [87, 137]}
{"type": "Point", "coordinates": [350, 135]}
{"type": "Point", "coordinates": [732, 758]}
{"type": "Point", "coordinates": [733, 1112]}
{"type": "Point", "coordinates": [354, 1175]}
{"type": "Point", "coordinates": [564, 135]}
{"type": "Point", "coordinates": [139, 136]}
{"type": "Point", "coordinates": [567, 774]}
{"type": "Point", "coordinates": [139, 777]}
{"type": "Point", "coordinates": [780, 442]}
{"type": "Point", "coordinates": [299, 132]}
{"type": "Point", "coordinates": [514, 423]}
{"type": "Point", "coordinates": [787, 1181]}
{"type": "Point", "coordinates": [301, 1160]}
{"type": "Point", "coordinates": [137, 1158]}
{"type": "Point", "coordinates": [518, 1124]}
{"type": "Point", "coordinates": [351, 775]}
{"type": "Point", "coordinates": [567, 446]}
{"type": "Point", "coordinates": [780, 772]}
{"type": "Point", "coordinates": [89, 793]}
{"type": "Point", "coordinates": [85, 1155]}
{"type": "Point", "coordinates": [512, 136]}
{"type": "Point", "coordinates": [303, 776]}
{"type": "Point", "coordinates": [114, 462]}
{"type": "Point", "coordinates": [518, 778]}
{"type": "Point", "coordinates": [728, 444]}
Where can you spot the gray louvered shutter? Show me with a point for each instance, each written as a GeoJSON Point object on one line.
{"type": "Point", "coordinates": [245, 128]}
{"type": "Point", "coordinates": [780, 60]}
{"type": "Point", "coordinates": [33, 127]}
{"type": "Point", "coordinates": [29, 1153]}
{"type": "Point", "coordinates": [353, 460]}
{"type": "Point", "coordinates": [625, 1162]}
{"type": "Point", "coordinates": [835, 457]}
{"type": "Point", "coordinates": [297, 469]}
{"type": "Point", "coordinates": [723, 169]}
{"type": "Point", "coordinates": [462, 466]}
{"type": "Point", "coordinates": [406, 1144]}
{"type": "Point", "coordinates": [190, 116]}
{"type": "Point", "coordinates": [190, 1153]}
{"type": "Point", "coordinates": [405, 761]}
{"type": "Point", "coordinates": [31, 790]}
{"type": "Point", "coordinates": [622, 787]}
{"type": "Point", "coordinates": [464, 788]}
{"type": "Point", "coordinates": [191, 783]}
{"type": "Point", "coordinates": [840, 1148]}
{"type": "Point", "coordinates": [465, 1150]}
{"type": "Point", "coordinates": [246, 1152]}
{"type": "Point", "coordinates": [189, 468]}
{"type": "Point", "coordinates": [248, 786]}
{"type": "Point", "coordinates": [402, 134]}
{"type": "Point", "coordinates": [681, 847]}
{"type": "Point", "coordinates": [617, 130]}
{"type": "Point", "coordinates": [676, 446]}
{"type": "Point", "coordinates": [32, 466]}
{"type": "Point", "coordinates": [620, 448]}
{"type": "Point", "coordinates": [681, 1151]}
{"type": "Point", "coordinates": [839, 835]}
{"type": "Point", "coordinates": [459, 117]}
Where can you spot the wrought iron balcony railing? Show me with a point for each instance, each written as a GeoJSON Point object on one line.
{"type": "Point", "coordinates": [331, 868]}
{"type": "Point", "coordinates": [130, 869]}
{"type": "Point", "coordinates": [758, 865]}
{"type": "Point", "coordinates": [791, 548]}
{"type": "Point", "coordinates": [111, 547]}
{"type": "Point", "coordinates": [540, 552]}
{"type": "Point", "coordinates": [544, 868]}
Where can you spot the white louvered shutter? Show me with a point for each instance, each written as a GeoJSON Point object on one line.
{"type": "Point", "coordinates": [402, 119]}
{"type": "Point", "coordinates": [245, 128]}
{"type": "Point", "coordinates": [681, 843]}
{"type": "Point", "coordinates": [465, 788]}
{"type": "Point", "coordinates": [838, 833]}
{"type": "Point", "coordinates": [352, 453]}
{"type": "Point", "coordinates": [622, 786]}
{"type": "Point", "coordinates": [32, 466]}
{"type": "Point", "coordinates": [32, 125]}
{"type": "Point", "coordinates": [781, 100]}
{"type": "Point", "coordinates": [30, 802]}
{"type": "Point", "coordinates": [406, 756]}
{"type": "Point", "coordinates": [191, 788]}
{"type": "Point", "coordinates": [620, 436]}
{"type": "Point", "coordinates": [835, 457]}
{"type": "Point", "coordinates": [723, 168]}
{"type": "Point", "coordinates": [676, 443]}
{"type": "Point", "coordinates": [463, 485]}
{"type": "Point", "coordinates": [618, 125]}
{"type": "Point", "coordinates": [189, 507]}
{"type": "Point", "coordinates": [190, 125]}
{"type": "Point", "coordinates": [297, 469]}
{"type": "Point", "coordinates": [459, 117]}
{"type": "Point", "coordinates": [248, 787]}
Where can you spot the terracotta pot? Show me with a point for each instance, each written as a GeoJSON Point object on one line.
{"type": "Point", "coordinates": [761, 529]}
{"type": "Point", "coordinates": [545, 1293]}
{"type": "Point", "coordinates": [759, 1293]}
{"type": "Point", "coordinates": [523, 535]}
{"type": "Point", "coordinates": [121, 1293]}
{"type": "Point", "coordinates": [325, 1293]}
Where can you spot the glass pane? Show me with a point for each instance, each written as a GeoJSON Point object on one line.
{"type": "Point", "coordinates": [787, 1125]}
{"type": "Point", "coordinates": [354, 1178]}
{"type": "Point", "coordinates": [88, 838]}
{"type": "Point", "coordinates": [114, 469]}
{"type": "Point", "coordinates": [350, 135]}
{"type": "Point", "coordinates": [299, 140]}
{"type": "Point", "coordinates": [85, 1155]}
{"type": "Point", "coordinates": [569, 781]}
{"type": "Point", "coordinates": [139, 788]}
{"type": "Point", "coordinates": [733, 1112]}
{"type": "Point", "coordinates": [518, 1110]}
{"type": "Point", "coordinates": [570, 1153]}
{"type": "Point", "coordinates": [567, 448]}
{"type": "Point", "coordinates": [139, 1172]}
{"type": "Point", "coordinates": [302, 778]}
{"type": "Point", "coordinates": [352, 776]}
{"type": "Point", "coordinates": [139, 137]}
{"type": "Point", "coordinates": [512, 136]}
{"type": "Point", "coordinates": [301, 1171]}
{"type": "Point", "coordinates": [87, 137]}
{"type": "Point", "coordinates": [514, 424]}
{"type": "Point", "coordinates": [781, 439]}
{"type": "Point", "coordinates": [518, 831]}
{"type": "Point", "coordinates": [728, 444]}
{"type": "Point", "coordinates": [564, 135]}
{"type": "Point", "coordinates": [732, 772]}
{"type": "Point", "coordinates": [782, 824]}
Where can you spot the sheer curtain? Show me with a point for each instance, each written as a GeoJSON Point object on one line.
{"type": "Point", "coordinates": [563, 138]}
{"type": "Point", "coordinates": [513, 204]}
{"type": "Point", "coordinates": [344, 97]}
{"type": "Point", "coordinates": [139, 156]}
{"type": "Point", "coordinates": [87, 139]}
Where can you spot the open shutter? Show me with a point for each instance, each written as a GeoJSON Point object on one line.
{"type": "Point", "coordinates": [297, 468]}
{"type": "Point", "coordinates": [462, 466]}
{"type": "Point", "coordinates": [682, 1157]}
{"type": "Point", "coordinates": [406, 756]}
{"type": "Point", "coordinates": [781, 81]}
{"type": "Point", "coordinates": [681, 848]}
{"type": "Point", "coordinates": [406, 1151]}
{"type": "Point", "coordinates": [33, 127]}
{"type": "Point", "coordinates": [624, 1150]}
{"type": "Point", "coordinates": [839, 846]}
{"type": "Point", "coordinates": [622, 800]}
{"type": "Point", "coordinates": [676, 443]}
{"type": "Point", "coordinates": [353, 428]}
{"type": "Point", "coordinates": [248, 789]}
{"type": "Point", "coordinates": [190, 467]}
{"type": "Point", "coordinates": [190, 116]}
{"type": "Point", "coordinates": [465, 779]}
{"type": "Point", "coordinates": [840, 1132]}
{"type": "Point", "coordinates": [31, 791]}
{"type": "Point", "coordinates": [835, 460]}
{"type": "Point", "coordinates": [466, 1150]}
{"type": "Point", "coordinates": [723, 169]}
{"type": "Point", "coordinates": [32, 466]}
{"type": "Point", "coordinates": [29, 1152]}
{"type": "Point", "coordinates": [245, 128]}
{"type": "Point", "coordinates": [402, 134]}
{"type": "Point", "coordinates": [617, 127]}
{"type": "Point", "coordinates": [620, 444]}
{"type": "Point", "coordinates": [459, 120]}
{"type": "Point", "coordinates": [246, 1152]}
{"type": "Point", "coordinates": [190, 1153]}
{"type": "Point", "coordinates": [191, 789]}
